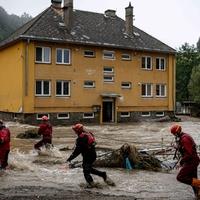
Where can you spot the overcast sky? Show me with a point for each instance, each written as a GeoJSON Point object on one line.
{"type": "Point", "coordinates": [174, 22]}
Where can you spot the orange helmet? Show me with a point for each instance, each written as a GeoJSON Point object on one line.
{"type": "Point", "coordinates": [45, 118]}
{"type": "Point", "coordinates": [78, 128]}
{"type": "Point", "coordinates": [175, 129]}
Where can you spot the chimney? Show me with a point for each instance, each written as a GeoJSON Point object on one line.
{"type": "Point", "coordinates": [56, 3]}
{"type": "Point", "coordinates": [68, 13]}
{"type": "Point", "coordinates": [129, 20]}
{"type": "Point", "coordinates": [110, 13]}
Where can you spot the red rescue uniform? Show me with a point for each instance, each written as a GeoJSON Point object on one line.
{"type": "Point", "coordinates": [189, 159]}
{"type": "Point", "coordinates": [4, 146]}
{"type": "Point", "coordinates": [45, 129]}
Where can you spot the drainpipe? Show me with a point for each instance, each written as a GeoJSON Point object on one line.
{"type": "Point", "coordinates": [26, 68]}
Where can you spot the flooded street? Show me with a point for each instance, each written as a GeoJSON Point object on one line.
{"type": "Point", "coordinates": [33, 176]}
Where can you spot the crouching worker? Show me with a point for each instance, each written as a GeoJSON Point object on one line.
{"type": "Point", "coordinates": [45, 130]}
{"type": "Point", "coordinates": [4, 145]}
{"type": "Point", "coordinates": [85, 145]}
{"type": "Point", "coordinates": [189, 160]}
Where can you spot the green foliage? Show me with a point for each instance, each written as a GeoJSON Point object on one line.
{"type": "Point", "coordinates": [198, 45]}
{"type": "Point", "coordinates": [187, 58]}
{"type": "Point", "coordinates": [9, 23]}
{"type": "Point", "coordinates": [194, 84]}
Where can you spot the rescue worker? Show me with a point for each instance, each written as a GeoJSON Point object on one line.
{"type": "Point", "coordinates": [45, 129]}
{"type": "Point", "coordinates": [189, 159]}
{"type": "Point", "coordinates": [85, 145]}
{"type": "Point", "coordinates": [4, 145]}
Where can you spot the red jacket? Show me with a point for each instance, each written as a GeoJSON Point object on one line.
{"type": "Point", "coordinates": [45, 130]}
{"type": "Point", "coordinates": [188, 150]}
{"type": "Point", "coordinates": [5, 139]}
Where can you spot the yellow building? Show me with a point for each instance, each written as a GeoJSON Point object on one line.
{"type": "Point", "coordinates": [78, 66]}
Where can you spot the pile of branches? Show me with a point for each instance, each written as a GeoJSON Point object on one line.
{"type": "Point", "coordinates": [138, 160]}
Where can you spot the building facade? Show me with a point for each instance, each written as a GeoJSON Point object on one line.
{"type": "Point", "coordinates": [78, 66]}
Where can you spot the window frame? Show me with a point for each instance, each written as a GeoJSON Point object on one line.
{"type": "Point", "coordinates": [160, 90]}
{"type": "Point", "coordinates": [42, 88]}
{"type": "Point", "coordinates": [43, 55]}
{"type": "Point", "coordinates": [42, 114]}
{"type": "Point", "coordinates": [111, 80]}
{"type": "Point", "coordinates": [68, 115]}
{"type": "Point", "coordinates": [62, 88]}
{"type": "Point", "coordinates": [125, 115]}
{"type": "Point", "coordinates": [106, 57]}
{"type": "Point", "coordinates": [89, 86]}
{"type": "Point", "coordinates": [146, 90]}
{"type": "Point", "coordinates": [159, 67]}
{"type": "Point", "coordinates": [160, 115]}
{"type": "Point", "coordinates": [146, 115]}
{"type": "Point", "coordinates": [111, 71]}
{"type": "Point", "coordinates": [145, 67]}
{"type": "Point", "coordinates": [89, 56]}
{"type": "Point", "coordinates": [125, 54]}
{"type": "Point", "coordinates": [126, 87]}
{"type": "Point", "coordinates": [88, 117]}
{"type": "Point", "coordinates": [63, 56]}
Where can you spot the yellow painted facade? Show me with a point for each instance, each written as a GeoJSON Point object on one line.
{"type": "Point", "coordinates": [20, 71]}
{"type": "Point", "coordinates": [11, 76]}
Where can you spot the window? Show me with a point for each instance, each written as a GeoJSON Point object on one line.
{"type": "Point", "coordinates": [108, 74]}
{"type": "Point", "coordinates": [161, 90]}
{"type": "Point", "coordinates": [160, 63]}
{"type": "Point", "coordinates": [146, 63]}
{"type": "Point", "coordinates": [63, 56]}
{"type": "Point", "coordinates": [146, 114]}
{"type": "Point", "coordinates": [108, 54]}
{"type": "Point", "coordinates": [160, 114]}
{"type": "Point", "coordinates": [126, 56]}
{"type": "Point", "coordinates": [125, 114]}
{"type": "Point", "coordinates": [146, 90]}
{"type": "Point", "coordinates": [126, 85]}
{"type": "Point", "coordinates": [88, 115]}
{"type": "Point", "coordinates": [89, 53]}
{"type": "Point", "coordinates": [89, 84]}
{"type": "Point", "coordinates": [108, 70]}
{"type": "Point", "coordinates": [62, 88]}
{"type": "Point", "coordinates": [43, 54]}
{"type": "Point", "coordinates": [40, 115]}
{"type": "Point", "coordinates": [107, 78]}
{"type": "Point", "coordinates": [63, 116]}
{"type": "Point", "coordinates": [42, 88]}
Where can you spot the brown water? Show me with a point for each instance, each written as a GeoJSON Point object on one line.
{"type": "Point", "coordinates": [48, 169]}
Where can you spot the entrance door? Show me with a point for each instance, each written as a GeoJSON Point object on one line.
{"type": "Point", "coordinates": [108, 111]}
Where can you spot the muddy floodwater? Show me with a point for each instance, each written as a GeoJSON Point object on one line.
{"type": "Point", "coordinates": [44, 176]}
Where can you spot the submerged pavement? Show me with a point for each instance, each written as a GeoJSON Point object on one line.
{"type": "Point", "coordinates": [34, 176]}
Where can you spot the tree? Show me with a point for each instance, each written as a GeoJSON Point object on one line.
{"type": "Point", "coordinates": [25, 17]}
{"type": "Point", "coordinates": [187, 58]}
{"type": "Point", "coordinates": [9, 23]}
{"type": "Point", "coordinates": [194, 84]}
{"type": "Point", "coordinates": [198, 45]}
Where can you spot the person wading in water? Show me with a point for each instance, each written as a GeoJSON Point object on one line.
{"type": "Point", "coordinates": [189, 160]}
{"type": "Point", "coordinates": [4, 145]}
{"type": "Point", "coordinates": [45, 129]}
{"type": "Point", "coordinates": [85, 145]}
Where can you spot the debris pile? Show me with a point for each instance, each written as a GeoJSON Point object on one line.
{"type": "Point", "coordinates": [28, 134]}
{"type": "Point", "coordinates": [138, 160]}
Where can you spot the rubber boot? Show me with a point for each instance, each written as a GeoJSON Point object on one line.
{"type": "Point", "coordinates": [108, 181]}
{"type": "Point", "coordinates": [93, 185]}
{"type": "Point", "coordinates": [196, 184]}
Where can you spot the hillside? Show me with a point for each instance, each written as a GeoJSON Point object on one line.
{"type": "Point", "coordinates": [9, 23]}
